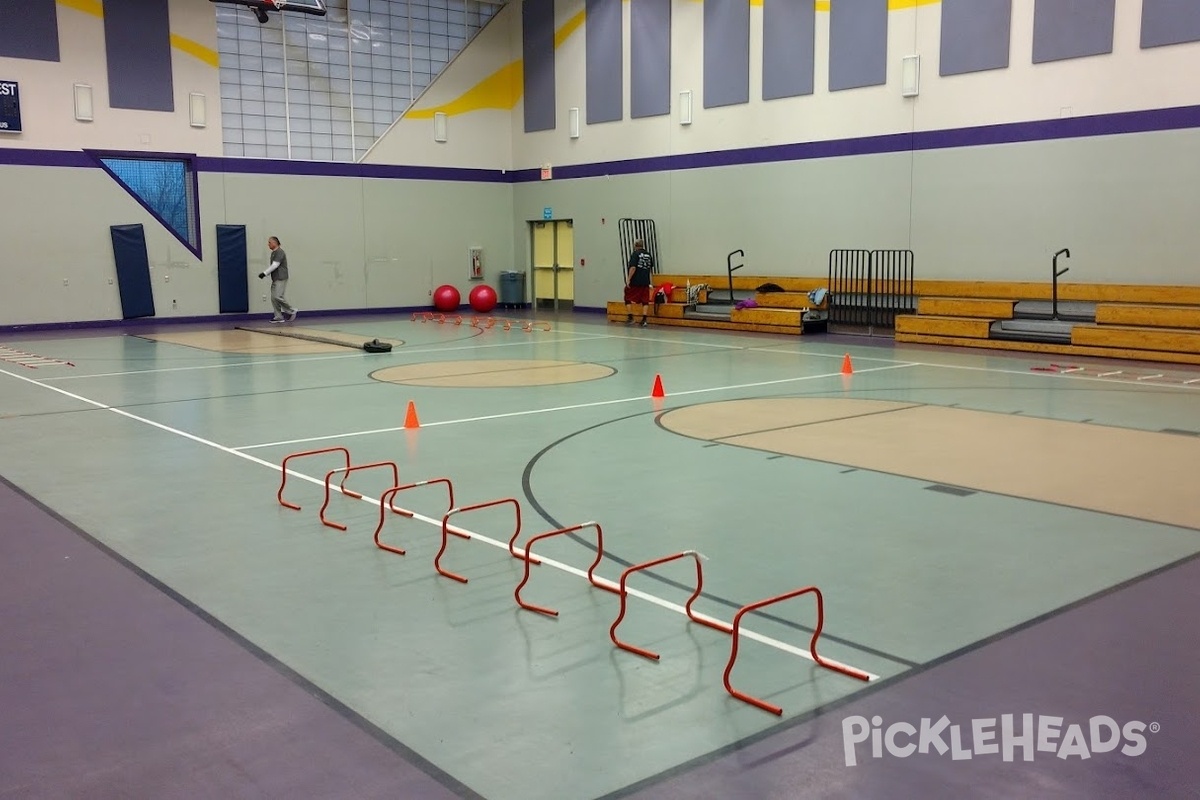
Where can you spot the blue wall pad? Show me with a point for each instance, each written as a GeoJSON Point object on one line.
{"type": "Point", "coordinates": [233, 292]}
{"type": "Point", "coordinates": [133, 271]}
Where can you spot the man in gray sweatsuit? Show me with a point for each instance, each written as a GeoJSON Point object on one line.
{"type": "Point", "coordinates": [278, 270]}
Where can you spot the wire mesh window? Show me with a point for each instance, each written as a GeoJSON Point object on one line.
{"type": "Point", "coordinates": [326, 88]}
{"type": "Point", "coordinates": [166, 186]}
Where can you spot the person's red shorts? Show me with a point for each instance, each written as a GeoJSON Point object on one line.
{"type": "Point", "coordinates": [637, 294]}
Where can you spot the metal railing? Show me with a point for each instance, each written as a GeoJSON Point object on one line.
{"type": "Point", "coordinates": [868, 289]}
{"type": "Point", "coordinates": [630, 230]}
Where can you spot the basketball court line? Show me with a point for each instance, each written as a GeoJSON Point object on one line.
{"type": "Point", "coordinates": [586, 337]}
{"type": "Point", "coordinates": [653, 599]}
{"type": "Point", "coordinates": [552, 409]}
{"type": "Point", "coordinates": [1064, 375]}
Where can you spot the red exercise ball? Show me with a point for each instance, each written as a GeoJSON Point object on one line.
{"type": "Point", "coordinates": [446, 298]}
{"type": "Point", "coordinates": [483, 298]}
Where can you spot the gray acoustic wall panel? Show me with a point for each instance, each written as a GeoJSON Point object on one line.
{"type": "Point", "coordinates": [789, 47]}
{"type": "Point", "coordinates": [137, 45]}
{"type": "Point", "coordinates": [857, 43]}
{"type": "Point", "coordinates": [726, 53]}
{"type": "Point", "coordinates": [604, 62]}
{"type": "Point", "coordinates": [1170, 22]}
{"type": "Point", "coordinates": [649, 58]}
{"type": "Point", "coordinates": [537, 48]}
{"type": "Point", "coordinates": [1064, 29]}
{"type": "Point", "coordinates": [29, 29]}
{"type": "Point", "coordinates": [975, 35]}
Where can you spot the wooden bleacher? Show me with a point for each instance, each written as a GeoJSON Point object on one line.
{"type": "Point", "coordinates": [777, 312]}
{"type": "Point", "coordinates": [1137, 322]}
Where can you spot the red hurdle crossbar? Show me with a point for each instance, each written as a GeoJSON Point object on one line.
{"type": "Point", "coordinates": [529, 326]}
{"type": "Point", "coordinates": [388, 500]}
{"type": "Point", "coordinates": [812, 646]}
{"type": "Point", "coordinates": [612, 632]}
{"type": "Point", "coordinates": [529, 559]}
{"type": "Point", "coordinates": [446, 531]}
{"type": "Point", "coordinates": [348, 470]}
{"type": "Point", "coordinates": [283, 483]}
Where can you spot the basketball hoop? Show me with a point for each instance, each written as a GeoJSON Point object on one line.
{"type": "Point", "coordinates": [261, 7]}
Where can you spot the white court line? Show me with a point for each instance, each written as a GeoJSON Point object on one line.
{"type": "Point", "coordinates": [1048, 375]}
{"type": "Point", "coordinates": [587, 337]}
{"type": "Point", "coordinates": [779, 645]}
{"type": "Point", "coordinates": [530, 411]}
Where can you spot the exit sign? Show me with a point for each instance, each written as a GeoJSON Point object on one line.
{"type": "Point", "coordinates": [10, 107]}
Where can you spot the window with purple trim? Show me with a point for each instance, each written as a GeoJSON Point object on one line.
{"type": "Point", "coordinates": [165, 185]}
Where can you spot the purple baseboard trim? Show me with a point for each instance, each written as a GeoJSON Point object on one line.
{"type": "Point", "coordinates": [589, 310]}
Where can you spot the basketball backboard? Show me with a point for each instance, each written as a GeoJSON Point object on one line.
{"type": "Point", "coordinates": [261, 7]}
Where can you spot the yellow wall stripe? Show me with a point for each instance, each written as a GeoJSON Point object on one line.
{"type": "Point", "coordinates": [572, 25]}
{"type": "Point", "coordinates": [180, 43]}
{"type": "Point", "coordinates": [92, 7]}
{"type": "Point", "coordinates": [499, 90]}
{"type": "Point", "coordinates": [192, 48]}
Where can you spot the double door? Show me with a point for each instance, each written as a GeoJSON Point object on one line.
{"type": "Point", "coordinates": [553, 249]}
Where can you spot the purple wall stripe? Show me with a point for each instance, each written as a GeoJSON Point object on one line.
{"type": "Point", "coordinates": [1161, 119]}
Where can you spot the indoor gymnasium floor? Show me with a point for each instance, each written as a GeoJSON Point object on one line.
{"type": "Point", "coordinates": [991, 535]}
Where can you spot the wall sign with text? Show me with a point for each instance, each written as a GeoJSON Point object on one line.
{"type": "Point", "coordinates": [10, 107]}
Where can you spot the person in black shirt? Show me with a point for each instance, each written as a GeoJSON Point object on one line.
{"type": "Point", "coordinates": [638, 281]}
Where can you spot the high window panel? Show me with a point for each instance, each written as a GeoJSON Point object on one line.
{"type": "Point", "coordinates": [326, 88]}
{"type": "Point", "coordinates": [165, 186]}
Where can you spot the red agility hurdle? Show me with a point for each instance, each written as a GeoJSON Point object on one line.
{"type": "Point", "coordinates": [283, 483]}
{"type": "Point", "coordinates": [348, 470]}
{"type": "Point", "coordinates": [612, 632]}
{"type": "Point", "coordinates": [388, 500]}
{"type": "Point", "coordinates": [812, 646]}
{"type": "Point", "coordinates": [530, 560]}
{"type": "Point", "coordinates": [447, 531]}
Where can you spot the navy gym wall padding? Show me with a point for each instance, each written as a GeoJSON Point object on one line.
{"type": "Point", "coordinates": [133, 271]}
{"type": "Point", "coordinates": [233, 292]}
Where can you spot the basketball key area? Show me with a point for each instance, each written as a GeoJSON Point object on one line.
{"type": "Point", "coordinates": [919, 508]}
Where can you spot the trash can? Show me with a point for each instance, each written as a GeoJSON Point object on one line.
{"type": "Point", "coordinates": [512, 289]}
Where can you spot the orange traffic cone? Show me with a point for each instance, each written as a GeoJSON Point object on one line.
{"type": "Point", "coordinates": [657, 391]}
{"type": "Point", "coordinates": [410, 419]}
{"type": "Point", "coordinates": [847, 367]}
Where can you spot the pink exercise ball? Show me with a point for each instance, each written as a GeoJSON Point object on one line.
{"type": "Point", "coordinates": [483, 298]}
{"type": "Point", "coordinates": [446, 298]}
